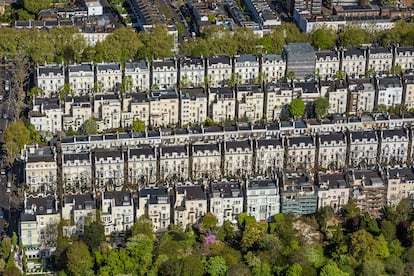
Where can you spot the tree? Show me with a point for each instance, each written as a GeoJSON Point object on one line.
{"type": "Point", "coordinates": [20, 77]}
{"type": "Point", "coordinates": [138, 126]}
{"type": "Point", "coordinates": [16, 136]}
{"type": "Point", "coordinates": [89, 127]}
{"type": "Point", "coordinates": [143, 226]}
{"type": "Point", "coordinates": [126, 85]}
{"type": "Point", "coordinates": [323, 39]}
{"type": "Point", "coordinates": [382, 108]}
{"type": "Point", "coordinates": [140, 249]}
{"type": "Point", "coordinates": [351, 210]}
{"type": "Point", "coordinates": [216, 266]}
{"type": "Point", "coordinates": [158, 43]}
{"type": "Point", "coordinates": [234, 80]}
{"type": "Point", "coordinates": [332, 269]}
{"type": "Point", "coordinates": [94, 235]}
{"type": "Point", "coordinates": [364, 247]}
{"type": "Point", "coordinates": [353, 36]}
{"type": "Point", "coordinates": [297, 108]}
{"type": "Point", "coordinates": [291, 76]}
{"type": "Point", "coordinates": [5, 249]}
{"type": "Point", "coordinates": [65, 91]}
{"type": "Point", "coordinates": [209, 221]}
{"type": "Point", "coordinates": [388, 229]}
{"type": "Point", "coordinates": [209, 122]}
{"type": "Point", "coordinates": [34, 6]}
{"type": "Point", "coordinates": [80, 261]}
{"type": "Point", "coordinates": [192, 265]}
{"type": "Point", "coordinates": [253, 235]}
{"type": "Point", "coordinates": [321, 106]}
{"type": "Point", "coordinates": [340, 75]}
{"type": "Point", "coordinates": [122, 45]}
{"type": "Point", "coordinates": [35, 92]}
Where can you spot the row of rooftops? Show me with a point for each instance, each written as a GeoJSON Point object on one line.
{"type": "Point", "coordinates": [307, 140]}
{"type": "Point", "coordinates": [279, 127]}
{"type": "Point", "coordinates": [290, 181]}
{"type": "Point", "coordinates": [295, 49]}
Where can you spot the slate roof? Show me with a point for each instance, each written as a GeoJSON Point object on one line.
{"type": "Point", "coordinates": [219, 59]}
{"type": "Point", "coordinates": [334, 136]}
{"type": "Point", "coordinates": [206, 147]}
{"type": "Point", "coordinates": [140, 64]}
{"type": "Point", "coordinates": [143, 150]}
{"type": "Point", "coordinates": [107, 153]}
{"type": "Point", "coordinates": [51, 69]}
{"type": "Point", "coordinates": [171, 149]}
{"type": "Point", "coordinates": [193, 192]}
{"type": "Point", "coordinates": [122, 198]}
{"type": "Point", "coordinates": [76, 156]}
{"type": "Point", "coordinates": [334, 180]}
{"type": "Point", "coordinates": [84, 67]}
{"type": "Point", "coordinates": [43, 204]}
{"type": "Point", "coordinates": [394, 132]}
{"type": "Point", "coordinates": [307, 140]}
{"type": "Point", "coordinates": [81, 201]}
{"type": "Point", "coordinates": [269, 142]}
{"type": "Point", "coordinates": [360, 135]}
{"type": "Point", "coordinates": [243, 144]}
{"type": "Point", "coordinates": [108, 67]}
{"type": "Point", "coordinates": [228, 189]}
{"type": "Point", "coordinates": [259, 184]}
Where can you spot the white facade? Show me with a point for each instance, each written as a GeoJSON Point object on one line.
{"type": "Point", "coordinates": [226, 201]}
{"type": "Point", "coordinates": [354, 62]}
{"type": "Point", "coordinates": [79, 209]}
{"type": "Point", "coordinates": [107, 109]}
{"type": "Point", "coordinates": [164, 74]}
{"type": "Point", "coordinates": [333, 191]}
{"type": "Point", "coordinates": [164, 108]}
{"type": "Point", "coordinates": [400, 184]}
{"type": "Point", "coordinates": [250, 101]}
{"type": "Point", "coordinates": [390, 91]}
{"type": "Point", "coordinates": [363, 148]}
{"type": "Point", "coordinates": [394, 146]}
{"type": "Point", "coordinates": [301, 152]}
{"type": "Point", "coordinates": [139, 73]}
{"type": "Point", "coordinates": [206, 161]}
{"type": "Point", "coordinates": [174, 162]}
{"type": "Point", "coordinates": [262, 198]}
{"type": "Point", "coordinates": [219, 70]}
{"type": "Point", "coordinates": [380, 59]}
{"type": "Point", "coordinates": [81, 78]}
{"type": "Point", "coordinates": [338, 100]}
{"type": "Point", "coordinates": [109, 76]}
{"type": "Point", "coordinates": [327, 63]}
{"type": "Point", "coordinates": [404, 56]}
{"type": "Point", "coordinates": [247, 68]}
{"type": "Point", "coordinates": [332, 150]}
{"type": "Point", "coordinates": [238, 157]}
{"type": "Point", "coordinates": [279, 97]}
{"type": "Point", "coordinates": [362, 96]}
{"type": "Point", "coordinates": [117, 211]}
{"type": "Point", "coordinates": [142, 165]}
{"type": "Point", "coordinates": [408, 91]}
{"type": "Point", "coordinates": [76, 171]}
{"type": "Point", "coordinates": [154, 203]}
{"type": "Point", "coordinates": [50, 78]}
{"type": "Point", "coordinates": [109, 169]}
{"type": "Point", "coordinates": [269, 155]}
{"type": "Point", "coordinates": [47, 116]}
{"type": "Point", "coordinates": [135, 107]}
{"type": "Point", "coordinates": [190, 204]}
{"type": "Point", "coordinates": [222, 104]}
{"type": "Point", "coordinates": [40, 168]}
{"type": "Point", "coordinates": [192, 72]}
{"type": "Point", "coordinates": [193, 106]}
{"type": "Point", "coordinates": [273, 68]}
